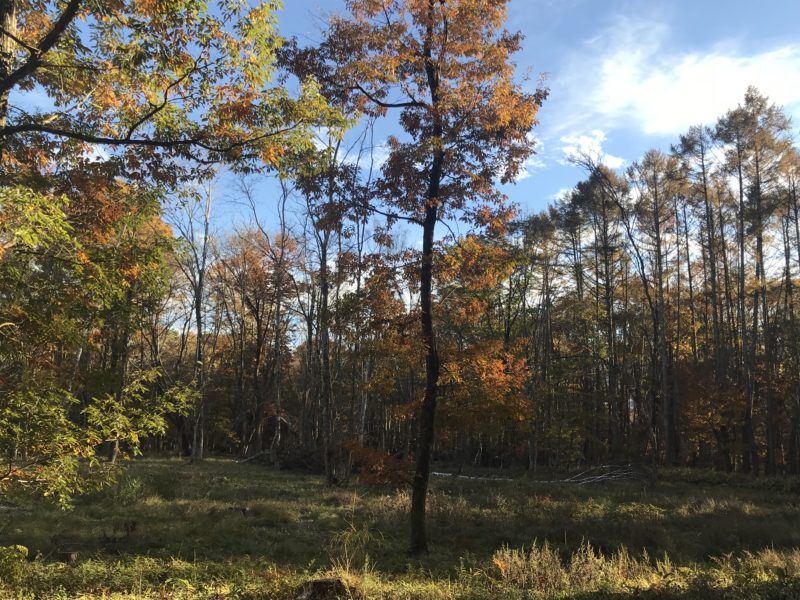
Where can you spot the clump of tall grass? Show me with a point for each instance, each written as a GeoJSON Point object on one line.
{"type": "Point", "coordinates": [541, 571]}
{"type": "Point", "coordinates": [538, 568]}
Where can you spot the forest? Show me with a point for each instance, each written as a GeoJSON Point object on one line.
{"type": "Point", "coordinates": [505, 390]}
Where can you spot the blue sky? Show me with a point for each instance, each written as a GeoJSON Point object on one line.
{"type": "Point", "coordinates": [624, 76]}
{"type": "Point", "coordinates": [628, 75]}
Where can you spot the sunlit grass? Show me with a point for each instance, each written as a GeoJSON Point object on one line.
{"type": "Point", "coordinates": [223, 530]}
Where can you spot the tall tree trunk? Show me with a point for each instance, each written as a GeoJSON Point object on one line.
{"type": "Point", "coordinates": [277, 377]}
{"type": "Point", "coordinates": [611, 334]}
{"type": "Point", "coordinates": [660, 335]}
{"type": "Point", "coordinates": [745, 366]}
{"type": "Point", "coordinates": [427, 416]}
{"type": "Point", "coordinates": [719, 360]}
{"type": "Point", "coordinates": [761, 295]}
{"type": "Point", "coordinates": [794, 435]}
{"type": "Point", "coordinates": [200, 257]}
{"type": "Point", "coordinates": [324, 346]}
{"type": "Point", "coordinates": [727, 315]}
{"type": "Point", "coordinates": [199, 375]}
{"type": "Point", "coordinates": [119, 360]}
{"type": "Point", "coordinates": [692, 315]}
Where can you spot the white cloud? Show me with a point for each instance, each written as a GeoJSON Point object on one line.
{"type": "Point", "coordinates": [380, 154]}
{"type": "Point", "coordinates": [374, 157]}
{"type": "Point", "coordinates": [535, 162]}
{"type": "Point", "coordinates": [628, 75]}
{"type": "Point", "coordinates": [320, 141]}
{"type": "Point", "coordinates": [577, 146]}
{"type": "Point", "coordinates": [364, 157]}
{"type": "Point", "coordinates": [560, 194]}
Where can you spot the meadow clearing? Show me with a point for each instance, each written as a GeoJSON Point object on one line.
{"type": "Point", "coordinates": [222, 530]}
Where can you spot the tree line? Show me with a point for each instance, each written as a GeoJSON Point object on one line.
{"type": "Point", "coordinates": [647, 315]}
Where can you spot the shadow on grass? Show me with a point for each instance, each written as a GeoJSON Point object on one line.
{"type": "Point", "coordinates": [689, 522]}
{"type": "Point", "coordinates": [783, 590]}
{"type": "Point", "coordinates": [221, 510]}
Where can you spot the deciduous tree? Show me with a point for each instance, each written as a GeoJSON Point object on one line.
{"type": "Point", "coordinates": [446, 66]}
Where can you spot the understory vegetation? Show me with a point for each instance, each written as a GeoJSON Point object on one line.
{"type": "Point", "coordinates": [223, 530]}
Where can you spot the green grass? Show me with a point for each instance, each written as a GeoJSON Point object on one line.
{"type": "Point", "coordinates": [223, 530]}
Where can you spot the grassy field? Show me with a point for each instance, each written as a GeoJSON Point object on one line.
{"type": "Point", "coordinates": [223, 530]}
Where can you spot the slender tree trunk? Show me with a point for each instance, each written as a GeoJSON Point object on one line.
{"type": "Point", "coordinates": [199, 415]}
{"type": "Point", "coordinates": [794, 434]}
{"type": "Point", "coordinates": [427, 415]}
{"type": "Point", "coordinates": [719, 361]}
{"type": "Point", "coordinates": [660, 335]}
{"type": "Point", "coordinates": [277, 377]}
{"type": "Point", "coordinates": [761, 296]}
{"type": "Point", "coordinates": [692, 315]}
{"type": "Point", "coordinates": [419, 488]}
{"type": "Point", "coordinates": [324, 347]}
{"type": "Point", "coordinates": [120, 359]}
{"type": "Point", "coordinates": [745, 366]}
{"type": "Point", "coordinates": [611, 335]}
{"type": "Point", "coordinates": [200, 258]}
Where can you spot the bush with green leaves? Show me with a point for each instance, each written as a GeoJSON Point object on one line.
{"type": "Point", "coordinates": [12, 564]}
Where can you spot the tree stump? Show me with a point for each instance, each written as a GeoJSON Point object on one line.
{"type": "Point", "coordinates": [69, 557]}
{"type": "Point", "coordinates": [331, 588]}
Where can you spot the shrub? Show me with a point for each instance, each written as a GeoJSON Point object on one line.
{"type": "Point", "coordinates": [129, 491]}
{"type": "Point", "coordinates": [377, 468]}
{"type": "Point", "coordinates": [538, 569]}
{"type": "Point", "coordinates": [12, 564]}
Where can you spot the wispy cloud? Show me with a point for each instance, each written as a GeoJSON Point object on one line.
{"type": "Point", "coordinates": [628, 75]}
{"type": "Point", "coordinates": [560, 194]}
{"type": "Point", "coordinates": [591, 145]}
{"type": "Point", "coordinates": [535, 162]}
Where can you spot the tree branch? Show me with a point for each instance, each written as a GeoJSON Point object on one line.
{"type": "Point", "coordinates": [382, 104]}
{"type": "Point", "coordinates": [159, 107]}
{"type": "Point", "coordinates": [51, 39]}
{"type": "Point", "coordinates": [91, 138]}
